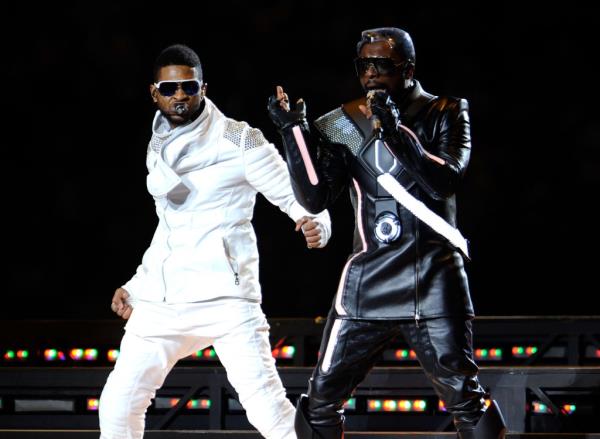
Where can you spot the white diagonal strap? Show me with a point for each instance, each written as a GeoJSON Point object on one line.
{"type": "Point", "coordinates": [424, 213]}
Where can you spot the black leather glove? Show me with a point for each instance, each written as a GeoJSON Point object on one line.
{"type": "Point", "coordinates": [385, 109]}
{"type": "Point", "coordinates": [284, 119]}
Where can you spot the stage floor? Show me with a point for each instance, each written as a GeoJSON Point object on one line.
{"type": "Point", "coordinates": [89, 434]}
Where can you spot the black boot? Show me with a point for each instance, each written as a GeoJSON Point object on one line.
{"type": "Point", "coordinates": [305, 430]}
{"type": "Point", "coordinates": [490, 426]}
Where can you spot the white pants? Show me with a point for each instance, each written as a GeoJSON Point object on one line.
{"type": "Point", "coordinates": [158, 335]}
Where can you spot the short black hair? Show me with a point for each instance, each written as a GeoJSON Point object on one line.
{"type": "Point", "coordinates": [177, 55]}
{"type": "Point", "coordinates": [398, 39]}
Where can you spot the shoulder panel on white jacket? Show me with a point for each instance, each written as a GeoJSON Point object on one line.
{"type": "Point", "coordinates": [233, 131]}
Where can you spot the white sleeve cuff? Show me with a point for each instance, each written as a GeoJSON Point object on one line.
{"type": "Point", "coordinates": [324, 225]}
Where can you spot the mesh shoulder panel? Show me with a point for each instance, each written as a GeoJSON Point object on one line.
{"type": "Point", "coordinates": [156, 142]}
{"type": "Point", "coordinates": [233, 131]}
{"type": "Point", "coordinates": [338, 128]}
{"type": "Point", "coordinates": [254, 137]}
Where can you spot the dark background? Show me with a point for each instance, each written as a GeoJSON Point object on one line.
{"type": "Point", "coordinates": [77, 115]}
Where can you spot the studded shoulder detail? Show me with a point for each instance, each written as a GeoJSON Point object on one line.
{"type": "Point", "coordinates": [336, 127]}
{"type": "Point", "coordinates": [234, 130]}
{"type": "Point", "coordinates": [254, 137]}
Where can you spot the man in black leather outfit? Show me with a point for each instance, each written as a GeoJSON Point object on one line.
{"type": "Point", "coordinates": [403, 277]}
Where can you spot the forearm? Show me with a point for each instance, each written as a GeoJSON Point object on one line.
{"type": "Point", "coordinates": [310, 189]}
{"type": "Point", "coordinates": [437, 175]}
{"type": "Point", "coordinates": [318, 171]}
{"type": "Point", "coordinates": [438, 169]}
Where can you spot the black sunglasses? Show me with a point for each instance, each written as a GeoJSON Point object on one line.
{"type": "Point", "coordinates": [383, 66]}
{"type": "Point", "coordinates": [190, 87]}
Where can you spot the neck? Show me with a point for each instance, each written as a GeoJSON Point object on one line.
{"type": "Point", "coordinates": [402, 94]}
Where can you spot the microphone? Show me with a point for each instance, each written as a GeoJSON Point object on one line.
{"type": "Point", "coordinates": [374, 119]}
{"type": "Point", "coordinates": [180, 108]}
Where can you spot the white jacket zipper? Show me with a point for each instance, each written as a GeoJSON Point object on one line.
{"type": "Point", "coordinates": [232, 263]}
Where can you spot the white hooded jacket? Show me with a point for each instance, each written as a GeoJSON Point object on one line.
{"type": "Point", "coordinates": [204, 177]}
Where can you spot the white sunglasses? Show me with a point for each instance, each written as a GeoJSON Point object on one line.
{"type": "Point", "coordinates": [190, 87]}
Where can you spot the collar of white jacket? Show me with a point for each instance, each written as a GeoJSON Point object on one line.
{"type": "Point", "coordinates": [162, 178]}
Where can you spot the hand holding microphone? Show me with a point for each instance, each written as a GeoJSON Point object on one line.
{"type": "Point", "coordinates": [374, 117]}
{"type": "Point", "coordinates": [381, 110]}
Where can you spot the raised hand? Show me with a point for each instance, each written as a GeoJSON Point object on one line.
{"type": "Point", "coordinates": [280, 112]}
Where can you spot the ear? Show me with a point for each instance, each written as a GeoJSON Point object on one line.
{"type": "Point", "coordinates": [408, 71]}
{"type": "Point", "coordinates": [154, 93]}
{"type": "Point", "coordinates": [203, 90]}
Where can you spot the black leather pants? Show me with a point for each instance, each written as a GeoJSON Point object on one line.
{"type": "Point", "coordinates": [350, 348]}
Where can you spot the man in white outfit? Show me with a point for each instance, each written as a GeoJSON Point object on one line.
{"type": "Point", "coordinates": [198, 282]}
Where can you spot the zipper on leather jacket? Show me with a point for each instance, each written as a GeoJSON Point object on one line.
{"type": "Point", "coordinates": [232, 263]}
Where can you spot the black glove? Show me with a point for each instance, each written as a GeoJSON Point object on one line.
{"type": "Point", "coordinates": [385, 109]}
{"type": "Point", "coordinates": [284, 119]}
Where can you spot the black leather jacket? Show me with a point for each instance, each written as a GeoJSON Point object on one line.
{"type": "Point", "coordinates": [419, 275]}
